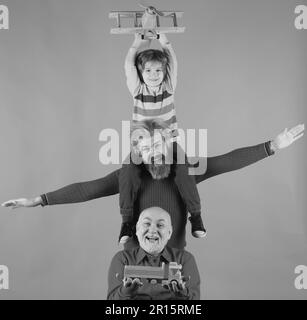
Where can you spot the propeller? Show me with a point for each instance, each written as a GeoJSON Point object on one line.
{"type": "Point", "coordinates": [152, 10]}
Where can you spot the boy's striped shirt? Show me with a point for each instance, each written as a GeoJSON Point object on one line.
{"type": "Point", "coordinates": [159, 104]}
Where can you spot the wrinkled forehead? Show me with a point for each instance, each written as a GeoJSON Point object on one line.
{"type": "Point", "coordinates": [142, 138]}
{"type": "Point", "coordinates": [155, 215]}
{"type": "Point", "coordinates": [151, 141]}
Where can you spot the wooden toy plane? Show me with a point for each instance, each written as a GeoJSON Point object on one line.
{"type": "Point", "coordinates": [147, 22]}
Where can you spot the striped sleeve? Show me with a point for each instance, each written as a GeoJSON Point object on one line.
{"type": "Point", "coordinates": [172, 67]}
{"type": "Point", "coordinates": [132, 78]}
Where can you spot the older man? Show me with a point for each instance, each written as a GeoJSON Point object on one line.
{"type": "Point", "coordinates": [157, 184]}
{"type": "Point", "coordinates": [153, 231]}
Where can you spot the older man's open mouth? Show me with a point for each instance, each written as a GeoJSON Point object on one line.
{"type": "Point", "coordinates": [152, 239]}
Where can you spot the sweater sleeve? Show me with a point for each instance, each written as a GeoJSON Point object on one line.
{"type": "Point", "coordinates": [235, 160]}
{"type": "Point", "coordinates": [190, 271]}
{"type": "Point", "coordinates": [115, 276]}
{"type": "Point", "coordinates": [84, 191]}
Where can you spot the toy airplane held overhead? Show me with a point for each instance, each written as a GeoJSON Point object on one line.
{"type": "Point", "coordinates": [146, 22]}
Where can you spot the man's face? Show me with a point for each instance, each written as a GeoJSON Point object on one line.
{"type": "Point", "coordinates": [153, 230]}
{"type": "Point", "coordinates": [153, 73]}
{"type": "Point", "coordinates": [156, 153]}
{"type": "Point", "coordinates": [153, 149]}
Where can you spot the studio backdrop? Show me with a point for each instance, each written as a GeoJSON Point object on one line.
{"type": "Point", "coordinates": [242, 74]}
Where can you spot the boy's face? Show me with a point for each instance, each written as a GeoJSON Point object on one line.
{"type": "Point", "coordinates": [153, 73]}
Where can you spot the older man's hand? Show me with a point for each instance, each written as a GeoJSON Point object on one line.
{"type": "Point", "coordinates": [130, 287]}
{"type": "Point", "coordinates": [179, 289]}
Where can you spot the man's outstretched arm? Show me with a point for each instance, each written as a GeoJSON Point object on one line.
{"type": "Point", "coordinates": [73, 193]}
{"type": "Point", "coordinates": [240, 158]}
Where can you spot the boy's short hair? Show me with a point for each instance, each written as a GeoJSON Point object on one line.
{"type": "Point", "coordinates": [151, 55]}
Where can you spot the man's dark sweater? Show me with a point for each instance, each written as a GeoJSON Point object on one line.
{"type": "Point", "coordinates": [159, 193]}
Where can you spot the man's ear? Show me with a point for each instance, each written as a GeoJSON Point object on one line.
{"type": "Point", "coordinates": [170, 232]}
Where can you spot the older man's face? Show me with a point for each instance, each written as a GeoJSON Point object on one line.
{"type": "Point", "coordinates": [153, 230]}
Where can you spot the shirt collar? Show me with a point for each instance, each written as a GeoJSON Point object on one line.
{"type": "Point", "coordinates": [141, 254]}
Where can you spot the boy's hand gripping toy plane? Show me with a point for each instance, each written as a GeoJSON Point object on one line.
{"type": "Point", "coordinates": [147, 22]}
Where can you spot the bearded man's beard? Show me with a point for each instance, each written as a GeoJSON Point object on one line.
{"type": "Point", "coordinates": [159, 171]}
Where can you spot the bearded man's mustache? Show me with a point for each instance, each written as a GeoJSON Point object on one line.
{"type": "Point", "coordinates": [159, 171]}
{"type": "Point", "coordinates": [158, 160]}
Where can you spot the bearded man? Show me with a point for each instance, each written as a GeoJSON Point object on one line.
{"type": "Point", "coordinates": [157, 186]}
{"type": "Point", "coordinates": [153, 150]}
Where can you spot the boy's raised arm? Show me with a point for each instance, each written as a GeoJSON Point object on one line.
{"type": "Point", "coordinates": [173, 65]}
{"type": "Point", "coordinates": [130, 69]}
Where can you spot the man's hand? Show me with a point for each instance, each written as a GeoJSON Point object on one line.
{"type": "Point", "coordinates": [287, 137]}
{"type": "Point", "coordinates": [130, 287]}
{"type": "Point", "coordinates": [22, 202]}
{"type": "Point", "coordinates": [178, 289]}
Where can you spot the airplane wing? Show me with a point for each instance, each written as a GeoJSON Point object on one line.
{"type": "Point", "coordinates": [132, 14]}
{"type": "Point", "coordinates": [141, 30]}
